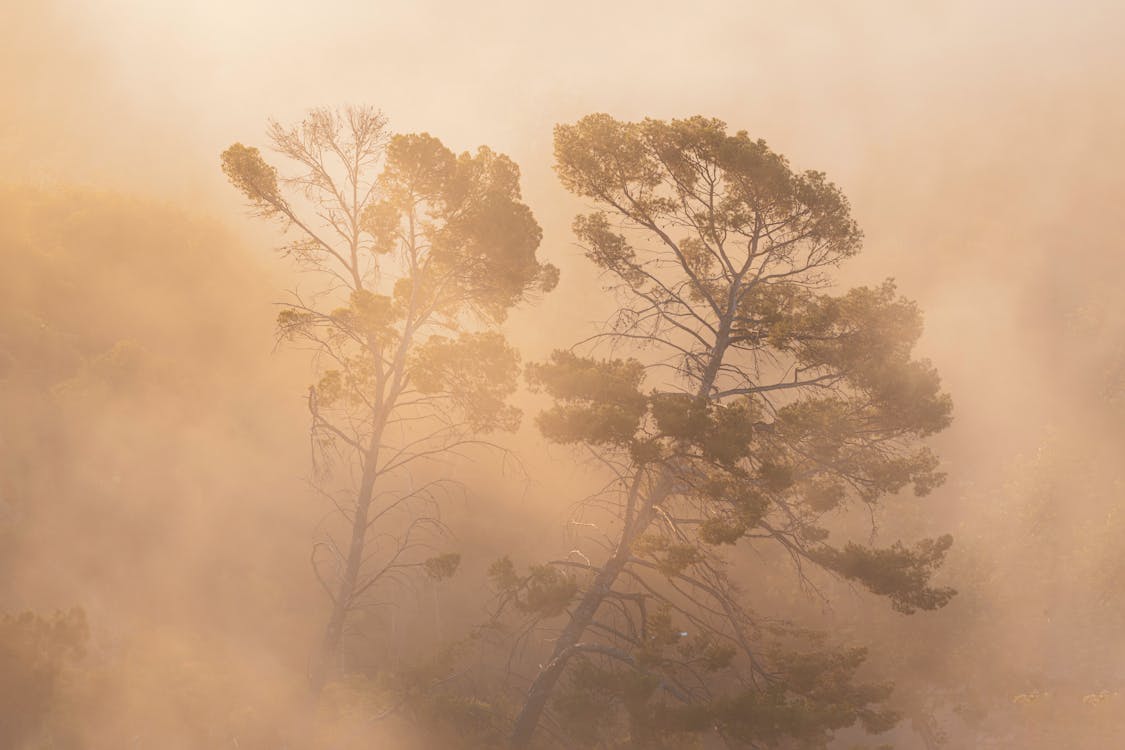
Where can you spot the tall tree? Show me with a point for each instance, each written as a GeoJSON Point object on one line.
{"type": "Point", "coordinates": [770, 403]}
{"type": "Point", "coordinates": [418, 254]}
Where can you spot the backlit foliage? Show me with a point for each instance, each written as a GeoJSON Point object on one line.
{"type": "Point", "coordinates": [757, 402]}
{"type": "Point", "coordinates": [418, 252]}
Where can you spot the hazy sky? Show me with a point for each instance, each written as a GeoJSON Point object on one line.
{"type": "Point", "coordinates": [835, 85]}
{"type": "Point", "coordinates": [981, 143]}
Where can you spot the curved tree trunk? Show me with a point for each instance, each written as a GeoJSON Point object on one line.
{"type": "Point", "coordinates": [544, 683]}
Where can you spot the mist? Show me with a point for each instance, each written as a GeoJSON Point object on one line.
{"type": "Point", "coordinates": [159, 481]}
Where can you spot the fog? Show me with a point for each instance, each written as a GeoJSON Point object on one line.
{"type": "Point", "coordinates": [155, 464]}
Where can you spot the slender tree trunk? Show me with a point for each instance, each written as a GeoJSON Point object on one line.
{"type": "Point", "coordinates": [384, 405]}
{"type": "Point", "coordinates": [334, 632]}
{"type": "Point", "coordinates": [544, 683]}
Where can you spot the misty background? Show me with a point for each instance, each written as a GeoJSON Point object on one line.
{"type": "Point", "coordinates": [153, 442]}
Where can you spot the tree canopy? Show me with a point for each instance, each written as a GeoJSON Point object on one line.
{"type": "Point", "coordinates": [418, 252]}
{"type": "Point", "coordinates": [755, 403]}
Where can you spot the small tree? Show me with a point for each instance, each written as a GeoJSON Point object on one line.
{"type": "Point", "coordinates": [771, 404]}
{"type": "Point", "coordinates": [417, 253]}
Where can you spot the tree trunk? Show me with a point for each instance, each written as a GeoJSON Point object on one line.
{"type": "Point", "coordinates": [384, 405]}
{"type": "Point", "coordinates": [334, 632]}
{"type": "Point", "coordinates": [544, 683]}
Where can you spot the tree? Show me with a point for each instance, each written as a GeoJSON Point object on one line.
{"type": "Point", "coordinates": [770, 403]}
{"type": "Point", "coordinates": [418, 254]}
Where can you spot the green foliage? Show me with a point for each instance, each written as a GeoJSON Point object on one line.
{"type": "Point", "coordinates": [815, 694]}
{"type": "Point", "coordinates": [809, 696]}
{"type": "Point", "coordinates": [722, 530]}
{"type": "Point", "coordinates": [441, 567]}
{"type": "Point", "coordinates": [432, 250]}
{"type": "Point", "coordinates": [480, 240]}
{"type": "Point", "coordinates": [626, 165]}
{"type": "Point", "coordinates": [901, 574]}
{"type": "Point", "coordinates": [721, 432]}
{"type": "Point", "coordinates": [544, 591]}
{"type": "Point", "coordinates": [418, 168]}
{"type": "Point", "coordinates": [484, 239]}
{"type": "Point", "coordinates": [503, 574]}
{"type": "Point", "coordinates": [606, 248]}
{"type": "Point", "coordinates": [681, 416]}
{"type": "Point", "coordinates": [291, 322]}
{"type": "Point", "coordinates": [490, 240]}
{"type": "Point", "coordinates": [866, 336]}
{"type": "Point", "coordinates": [737, 504]}
{"type": "Point", "coordinates": [826, 435]}
{"type": "Point", "coordinates": [593, 698]}
{"type": "Point", "coordinates": [382, 221]}
{"type": "Point", "coordinates": [600, 400]}
{"type": "Point", "coordinates": [477, 371]}
{"type": "Point", "coordinates": [671, 558]}
{"type": "Point", "coordinates": [783, 403]}
{"type": "Point", "coordinates": [251, 176]}
{"type": "Point", "coordinates": [547, 591]}
{"type": "Point", "coordinates": [370, 315]}
{"type": "Point", "coordinates": [705, 650]}
{"type": "Point", "coordinates": [823, 493]}
{"type": "Point", "coordinates": [841, 428]}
